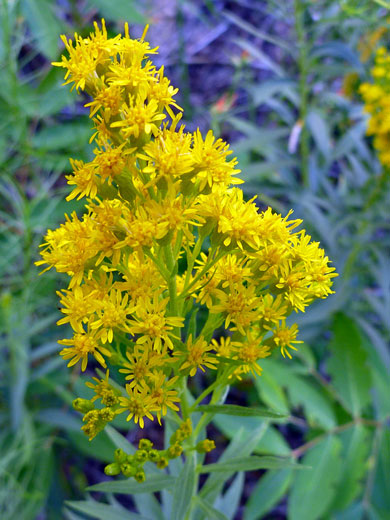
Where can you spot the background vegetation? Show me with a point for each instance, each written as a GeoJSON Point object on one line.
{"type": "Point", "coordinates": [253, 71]}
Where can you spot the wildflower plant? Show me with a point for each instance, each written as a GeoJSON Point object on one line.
{"type": "Point", "coordinates": [171, 271]}
{"type": "Point", "coordinates": [376, 97]}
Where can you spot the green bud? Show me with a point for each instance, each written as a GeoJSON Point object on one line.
{"type": "Point", "coordinates": [106, 414]}
{"type": "Point", "coordinates": [120, 455]}
{"type": "Point", "coordinates": [162, 463]}
{"type": "Point", "coordinates": [128, 470]}
{"type": "Point", "coordinates": [145, 444]}
{"type": "Point", "coordinates": [174, 451]}
{"type": "Point", "coordinates": [205, 446]}
{"type": "Point", "coordinates": [140, 476]}
{"type": "Point", "coordinates": [82, 405]}
{"type": "Point", "coordinates": [112, 469]}
{"type": "Point", "coordinates": [153, 455]}
{"type": "Point", "coordinates": [141, 455]}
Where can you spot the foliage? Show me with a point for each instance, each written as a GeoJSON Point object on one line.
{"type": "Point", "coordinates": [343, 197]}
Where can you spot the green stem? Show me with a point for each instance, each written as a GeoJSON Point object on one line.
{"type": "Point", "coordinates": [299, 7]}
{"type": "Point", "coordinates": [206, 268]}
{"type": "Point", "coordinates": [207, 417]}
{"type": "Point", "coordinates": [338, 429]}
{"type": "Point", "coordinates": [183, 398]}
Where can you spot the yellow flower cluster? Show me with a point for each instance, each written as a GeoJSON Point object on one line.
{"type": "Point", "coordinates": [376, 97]}
{"type": "Point", "coordinates": [168, 251]}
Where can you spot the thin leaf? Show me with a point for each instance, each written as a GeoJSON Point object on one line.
{"type": "Point", "coordinates": [184, 489]}
{"type": "Point", "coordinates": [249, 464]}
{"type": "Point", "coordinates": [103, 511]}
{"type": "Point", "coordinates": [241, 411]}
{"type": "Point", "coordinates": [152, 484]}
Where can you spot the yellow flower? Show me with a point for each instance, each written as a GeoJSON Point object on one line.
{"type": "Point", "coordinates": [284, 337]}
{"type": "Point", "coordinates": [163, 394]}
{"type": "Point", "coordinates": [78, 305]}
{"type": "Point", "coordinates": [209, 156]}
{"type": "Point", "coordinates": [104, 391]}
{"type": "Point", "coordinates": [151, 323]}
{"type": "Point", "coordinates": [239, 305]}
{"type": "Point", "coordinates": [138, 117]}
{"type": "Point", "coordinates": [112, 313]}
{"type": "Point", "coordinates": [238, 222]}
{"type": "Point", "coordinates": [69, 248]}
{"type": "Point", "coordinates": [84, 180]}
{"type": "Point", "coordinates": [106, 97]}
{"type": "Point", "coordinates": [248, 352]}
{"type": "Point", "coordinates": [195, 355]}
{"type": "Point", "coordinates": [141, 361]}
{"type": "Point", "coordinates": [139, 404]}
{"type": "Point", "coordinates": [84, 57]}
{"type": "Point", "coordinates": [80, 346]}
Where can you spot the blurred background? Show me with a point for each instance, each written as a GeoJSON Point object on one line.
{"type": "Point", "coordinates": [253, 71]}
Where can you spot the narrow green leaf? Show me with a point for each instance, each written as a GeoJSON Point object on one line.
{"type": "Point", "coordinates": [313, 490]}
{"type": "Point", "coordinates": [184, 489]}
{"type": "Point", "coordinates": [249, 464]}
{"type": "Point", "coordinates": [152, 484]}
{"type": "Point", "coordinates": [103, 511]}
{"type": "Point", "coordinates": [211, 512]}
{"type": "Point", "coordinates": [350, 375]}
{"type": "Point", "coordinates": [242, 411]}
{"type": "Point", "coordinates": [267, 493]}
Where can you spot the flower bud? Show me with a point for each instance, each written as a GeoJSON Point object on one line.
{"type": "Point", "coordinates": [153, 455]}
{"type": "Point", "coordinates": [140, 476]}
{"type": "Point", "coordinates": [145, 444]}
{"type": "Point", "coordinates": [141, 456]}
{"type": "Point", "coordinates": [128, 470]}
{"type": "Point", "coordinates": [162, 463]}
{"type": "Point", "coordinates": [82, 405]}
{"type": "Point", "coordinates": [174, 451]}
{"type": "Point", "coordinates": [120, 455]}
{"type": "Point", "coordinates": [112, 469]}
{"type": "Point", "coordinates": [205, 446]}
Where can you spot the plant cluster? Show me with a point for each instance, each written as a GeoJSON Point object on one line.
{"type": "Point", "coordinates": [376, 97]}
{"type": "Point", "coordinates": [167, 235]}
